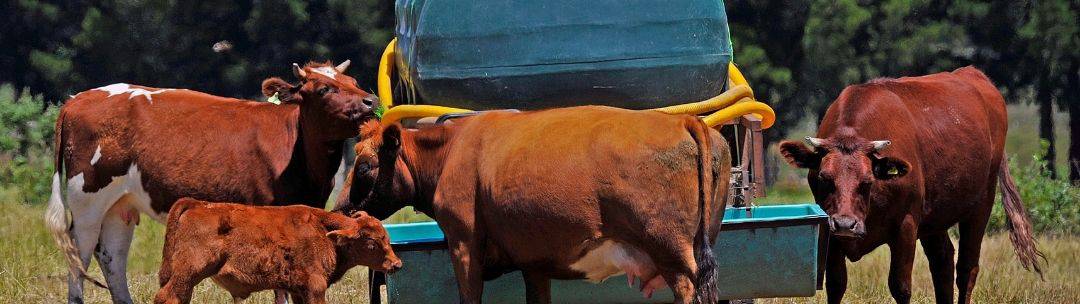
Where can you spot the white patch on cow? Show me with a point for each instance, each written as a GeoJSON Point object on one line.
{"type": "Point", "coordinates": [326, 71]}
{"type": "Point", "coordinates": [95, 204]}
{"type": "Point", "coordinates": [612, 258]}
{"type": "Point", "coordinates": [121, 88]}
{"type": "Point", "coordinates": [97, 156]}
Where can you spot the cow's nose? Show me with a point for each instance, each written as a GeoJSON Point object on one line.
{"type": "Point", "coordinates": [844, 223]}
{"type": "Point", "coordinates": [371, 101]}
{"type": "Point", "coordinates": [394, 267]}
{"type": "Point", "coordinates": [846, 226]}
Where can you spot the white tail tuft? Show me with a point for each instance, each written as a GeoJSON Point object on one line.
{"type": "Point", "coordinates": [56, 221]}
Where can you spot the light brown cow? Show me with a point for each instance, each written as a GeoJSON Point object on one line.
{"type": "Point", "coordinates": [124, 149]}
{"type": "Point", "coordinates": [572, 193]}
{"type": "Point", "coordinates": [246, 249]}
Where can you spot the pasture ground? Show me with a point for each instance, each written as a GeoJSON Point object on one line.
{"type": "Point", "coordinates": [32, 270]}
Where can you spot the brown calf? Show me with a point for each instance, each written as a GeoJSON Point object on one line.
{"type": "Point", "coordinates": [900, 160]}
{"type": "Point", "coordinates": [245, 249]}
{"type": "Point", "coordinates": [572, 193]}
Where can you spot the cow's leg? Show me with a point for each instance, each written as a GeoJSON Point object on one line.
{"type": "Point", "coordinates": [835, 274]}
{"type": "Point", "coordinates": [117, 229]}
{"type": "Point", "coordinates": [458, 221]}
{"type": "Point", "coordinates": [682, 287]}
{"type": "Point", "coordinates": [178, 289]}
{"type": "Point", "coordinates": [313, 295]}
{"type": "Point", "coordinates": [902, 256]}
{"type": "Point", "coordinates": [939, 252]}
{"type": "Point", "coordinates": [87, 215]}
{"type": "Point", "coordinates": [281, 296]}
{"type": "Point", "coordinates": [967, 263]}
{"type": "Point", "coordinates": [537, 287]}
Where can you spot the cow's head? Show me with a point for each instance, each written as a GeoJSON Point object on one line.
{"type": "Point", "coordinates": [843, 171]}
{"type": "Point", "coordinates": [329, 100]}
{"type": "Point", "coordinates": [380, 182]}
{"type": "Point", "coordinates": [366, 242]}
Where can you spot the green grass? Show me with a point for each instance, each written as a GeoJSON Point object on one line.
{"type": "Point", "coordinates": [32, 270]}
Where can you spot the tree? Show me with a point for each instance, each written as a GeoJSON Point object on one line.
{"type": "Point", "coordinates": [60, 49]}
{"type": "Point", "coordinates": [1031, 46]}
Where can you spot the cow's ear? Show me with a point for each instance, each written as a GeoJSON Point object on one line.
{"type": "Point", "coordinates": [799, 155]}
{"type": "Point", "coordinates": [391, 139]}
{"type": "Point", "coordinates": [283, 90]}
{"type": "Point", "coordinates": [886, 168]}
{"type": "Point", "coordinates": [341, 235]}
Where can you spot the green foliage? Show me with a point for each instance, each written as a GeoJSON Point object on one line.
{"type": "Point", "coordinates": [1053, 204]}
{"type": "Point", "coordinates": [26, 135]}
{"type": "Point", "coordinates": [60, 49]}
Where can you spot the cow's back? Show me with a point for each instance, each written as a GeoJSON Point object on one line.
{"type": "Point", "coordinates": [177, 143]}
{"type": "Point", "coordinates": [949, 126]}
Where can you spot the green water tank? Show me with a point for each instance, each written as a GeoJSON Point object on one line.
{"type": "Point", "coordinates": [532, 54]}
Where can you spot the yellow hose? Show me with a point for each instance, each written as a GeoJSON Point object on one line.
{"type": "Point", "coordinates": [712, 104]}
{"type": "Point", "coordinates": [736, 76]}
{"type": "Point", "coordinates": [411, 111]}
{"type": "Point", "coordinates": [386, 68]}
{"type": "Point", "coordinates": [733, 103]}
{"type": "Point", "coordinates": [743, 107]}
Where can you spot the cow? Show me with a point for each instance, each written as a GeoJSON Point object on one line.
{"type": "Point", "coordinates": [247, 249]}
{"type": "Point", "coordinates": [126, 149]}
{"type": "Point", "coordinates": [571, 193]}
{"type": "Point", "coordinates": [900, 160]}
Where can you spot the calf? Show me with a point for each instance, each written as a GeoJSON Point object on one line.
{"type": "Point", "coordinates": [245, 249]}
{"type": "Point", "coordinates": [572, 193]}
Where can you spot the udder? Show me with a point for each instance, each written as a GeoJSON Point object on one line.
{"type": "Point", "coordinates": [613, 258]}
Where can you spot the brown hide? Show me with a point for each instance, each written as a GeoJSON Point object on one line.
{"type": "Point", "coordinates": [124, 149]}
{"type": "Point", "coordinates": [946, 136]}
{"type": "Point", "coordinates": [539, 191]}
{"type": "Point", "coordinates": [245, 249]}
{"type": "Point", "coordinates": [191, 144]}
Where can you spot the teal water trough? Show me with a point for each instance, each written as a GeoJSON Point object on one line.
{"type": "Point", "coordinates": [762, 252]}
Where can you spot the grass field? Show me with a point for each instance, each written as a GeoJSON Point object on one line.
{"type": "Point", "coordinates": [32, 270]}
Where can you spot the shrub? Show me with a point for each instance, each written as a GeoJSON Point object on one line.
{"type": "Point", "coordinates": [1053, 204]}
{"type": "Point", "coordinates": [26, 135]}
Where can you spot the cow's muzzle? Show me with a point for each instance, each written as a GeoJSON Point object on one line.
{"type": "Point", "coordinates": [846, 226]}
{"type": "Point", "coordinates": [392, 266]}
{"type": "Point", "coordinates": [364, 109]}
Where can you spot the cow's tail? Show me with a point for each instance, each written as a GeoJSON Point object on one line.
{"type": "Point", "coordinates": [706, 290]}
{"type": "Point", "coordinates": [1016, 219]}
{"type": "Point", "coordinates": [56, 217]}
{"type": "Point", "coordinates": [172, 224]}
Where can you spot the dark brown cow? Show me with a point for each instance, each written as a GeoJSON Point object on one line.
{"type": "Point", "coordinates": [247, 249]}
{"type": "Point", "coordinates": [945, 135]}
{"type": "Point", "coordinates": [125, 149]}
{"type": "Point", "coordinates": [572, 193]}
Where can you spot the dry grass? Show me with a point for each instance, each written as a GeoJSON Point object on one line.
{"type": "Point", "coordinates": [32, 271]}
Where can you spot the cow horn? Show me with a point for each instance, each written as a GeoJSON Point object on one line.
{"type": "Point", "coordinates": [298, 71]}
{"type": "Point", "coordinates": [880, 144]}
{"type": "Point", "coordinates": [344, 65]}
{"type": "Point", "coordinates": [814, 141]}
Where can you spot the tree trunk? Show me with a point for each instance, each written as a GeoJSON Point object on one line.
{"type": "Point", "coordinates": [1044, 97]}
{"type": "Point", "coordinates": [1072, 98]}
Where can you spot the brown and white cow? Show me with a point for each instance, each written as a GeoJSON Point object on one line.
{"type": "Point", "coordinates": [900, 160]}
{"type": "Point", "coordinates": [571, 193]}
{"type": "Point", "coordinates": [246, 249]}
{"type": "Point", "coordinates": [124, 149]}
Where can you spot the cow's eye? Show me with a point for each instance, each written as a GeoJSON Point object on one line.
{"type": "Point", "coordinates": [323, 90]}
